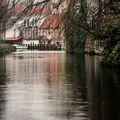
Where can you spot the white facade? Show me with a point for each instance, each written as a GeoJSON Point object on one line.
{"type": "Point", "coordinates": [28, 42]}
{"type": "Point", "coordinates": [12, 33]}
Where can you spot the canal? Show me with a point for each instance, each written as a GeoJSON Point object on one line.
{"type": "Point", "coordinates": [57, 86]}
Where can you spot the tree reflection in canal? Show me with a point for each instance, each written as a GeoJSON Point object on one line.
{"type": "Point", "coordinates": [2, 86]}
{"type": "Point", "coordinates": [57, 86]}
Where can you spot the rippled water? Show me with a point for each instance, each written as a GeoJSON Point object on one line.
{"type": "Point", "coordinates": [57, 86]}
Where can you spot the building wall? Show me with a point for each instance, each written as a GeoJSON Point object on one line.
{"type": "Point", "coordinates": [30, 33]}
{"type": "Point", "coordinates": [12, 33]}
{"type": "Point", "coordinates": [34, 32]}
{"type": "Point", "coordinates": [28, 42]}
{"type": "Point", "coordinates": [50, 34]}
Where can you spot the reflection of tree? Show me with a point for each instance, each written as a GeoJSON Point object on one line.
{"type": "Point", "coordinates": [2, 83]}
{"type": "Point", "coordinates": [76, 84]}
{"type": "Point", "coordinates": [92, 87]}
{"type": "Point", "coordinates": [75, 73]}
{"type": "Point", "coordinates": [103, 91]}
{"type": "Point", "coordinates": [93, 78]}
{"type": "Point", "coordinates": [2, 71]}
{"type": "Point", "coordinates": [110, 95]}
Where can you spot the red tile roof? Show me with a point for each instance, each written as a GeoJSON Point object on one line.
{"type": "Point", "coordinates": [38, 10]}
{"type": "Point", "coordinates": [53, 21]}
{"type": "Point", "coordinates": [13, 38]}
{"type": "Point", "coordinates": [19, 6]}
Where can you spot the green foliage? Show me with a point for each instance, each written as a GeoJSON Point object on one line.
{"type": "Point", "coordinates": [75, 35]}
{"type": "Point", "coordinates": [112, 56]}
{"type": "Point", "coordinates": [111, 44]}
{"type": "Point", "coordinates": [5, 49]}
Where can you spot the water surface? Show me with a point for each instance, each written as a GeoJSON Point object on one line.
{"type": "Point", "coordinates": [57, 86]}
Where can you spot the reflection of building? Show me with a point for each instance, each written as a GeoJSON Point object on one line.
{"type": "Point", "coordinates": [35, 85]}
{"type": "Point", "coordinates": [36, 67]}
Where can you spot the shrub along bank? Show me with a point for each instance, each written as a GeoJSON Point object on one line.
{"type": "Point", "coordinates": [111, 44]}
{"type": "Point", "coordinates": [5, 49]}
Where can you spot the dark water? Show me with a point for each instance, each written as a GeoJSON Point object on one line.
{"type": "Point", "coordinates": [57, 87]}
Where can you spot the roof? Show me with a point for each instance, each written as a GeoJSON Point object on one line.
{"type": "Point", "coordinates": [53, 21]}
{"type": "Point", "coordinates": [15, 10]}
{"type": "Point", "coordinates": [39, 10]}
{"type": "Point", "coordinates": [12, 38]}
{"type": "Point", "coordinates": [19, 6]}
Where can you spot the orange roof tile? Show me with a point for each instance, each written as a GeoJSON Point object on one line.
{"type": "Point", "coordinates": [29, 12]}
{"type": "Point", "coordinates": [19, 6]}
{"type": "Point", "coordinates": [52, 21]}
{"type": "Point", "coordinates": [38, 10]}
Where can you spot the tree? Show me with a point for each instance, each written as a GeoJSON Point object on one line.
{"type": "Point", "coordinates": [100, 21]}
{"type": "Point", "coordinates": [90, 16]}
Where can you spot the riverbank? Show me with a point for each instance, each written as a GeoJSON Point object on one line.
{"type": "Point", "coordinates": [5, 49]}
{"type": "Point", "coordinates": [111, 56]}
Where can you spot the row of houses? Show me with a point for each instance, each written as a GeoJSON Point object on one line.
{"type": "Point", "coordinates": [39, 24]}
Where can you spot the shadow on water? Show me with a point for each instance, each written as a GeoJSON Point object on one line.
{"type": "Point", "coordinates": [58, 87]}
{"type": "Point", "coordinates": [2, 71]}
{"type": "Point", "coordinates": [2, 85]}
{"type": "Point", "coordinates": [103, 86]}
{"type": "Point", "coordinates": [110, 94]}
{"type": "Point", "coordinates": [97, 87]}
{"type": "Point", "coordinates": [76, 86]}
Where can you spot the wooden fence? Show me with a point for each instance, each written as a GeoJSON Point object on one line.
{"type": "Point", "coordinates": [44, 46]}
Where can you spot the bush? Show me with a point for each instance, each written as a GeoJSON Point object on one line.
{"type": "Point", "coordinates": [5, 49]}
{"type": "Point", "coordinates": [111, 44]}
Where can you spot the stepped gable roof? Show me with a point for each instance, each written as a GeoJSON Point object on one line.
{"type": "Point", "coordinates": [53, 21]}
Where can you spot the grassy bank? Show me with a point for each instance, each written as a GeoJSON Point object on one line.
{"type": "Point", "coordinates": [5, 49]}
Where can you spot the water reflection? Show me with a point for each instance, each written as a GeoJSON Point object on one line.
{"type": "Point", "coordinates": [2, 86]}
{"type": "Point", "coordinates": [76, 86]}
{"type": "Point", "coordinates": [111, 95]}
{"type": "Point", "coordinates": [57, 86]}
{"type": "Point", "coordinates": [103, 91]}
